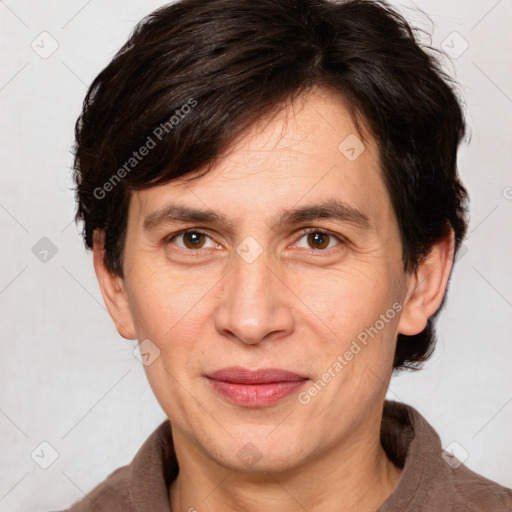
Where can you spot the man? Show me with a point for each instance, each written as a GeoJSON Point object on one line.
{"type": "Point", "coordinates": [270, 192]}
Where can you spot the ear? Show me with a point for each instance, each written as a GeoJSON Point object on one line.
{"type": "Point", "coordinates": [113, 290]}
{"type": "Point", "coordinates": [427, 286]}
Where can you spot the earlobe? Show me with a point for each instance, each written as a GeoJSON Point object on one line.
{"type": "Point", "coordinates": [427, 287]}
{"type": "Point", "coordinates": [113, 290]}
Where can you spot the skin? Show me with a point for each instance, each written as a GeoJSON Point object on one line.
{"type": "Point", "coordinates": [297, 306]}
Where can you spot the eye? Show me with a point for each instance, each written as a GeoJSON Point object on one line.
{"type": "Point", "coordinates": [192, 239]}
{"type": "Point", "coordinates": [317, 239]}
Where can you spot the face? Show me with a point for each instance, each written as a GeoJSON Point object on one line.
{"type": "Point", "coordinates": [276, 305]}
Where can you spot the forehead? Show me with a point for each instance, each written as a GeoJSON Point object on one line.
{"type": "Point", "coordinates": [306, 151]}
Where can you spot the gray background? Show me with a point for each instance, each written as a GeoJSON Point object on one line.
{"type": "Point", "coordinates": [68, 379]}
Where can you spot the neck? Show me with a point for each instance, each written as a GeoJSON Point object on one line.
{"type": "Point", "coordinates": [353, 476]}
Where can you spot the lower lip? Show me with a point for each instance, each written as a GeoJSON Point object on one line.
{"type": "Point", "coordinates": [255, 395]}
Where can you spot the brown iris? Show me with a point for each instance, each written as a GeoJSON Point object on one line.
{"type": "Point", "coordinates": [318, 239]}
{"type": "Point", "coordinates": [193, 240]}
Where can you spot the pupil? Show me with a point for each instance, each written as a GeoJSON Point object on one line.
{"type": "Point", "coordinates": [321, 240]}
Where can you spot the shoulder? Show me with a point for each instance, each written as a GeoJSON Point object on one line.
{"type": "Point", "coordinates": [433, 479]}
{"type": "Point", "coordinates": [112, 494]}
{"type": "Point", "coordinates": [141, 485]}
{"type": "Point", "coordinates": [474, 492]}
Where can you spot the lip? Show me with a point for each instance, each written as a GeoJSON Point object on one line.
{"type": "Point", "coordinates": [254, 388]}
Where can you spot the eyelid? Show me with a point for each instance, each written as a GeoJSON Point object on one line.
{"type": "Point", "coordinates": [170, 238]}
{"type": "Point", "coordinates": [187, 230]}
{"type": "Point", "coordinates": [307, 231]}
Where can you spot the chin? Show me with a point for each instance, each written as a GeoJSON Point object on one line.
{"type": "Point", "coordinates": [255, 451]}
{"type": "Point", "coordinates": [263, 462]}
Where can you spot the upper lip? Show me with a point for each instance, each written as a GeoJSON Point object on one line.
{"type": "Point", "coordinates": [239, 375]}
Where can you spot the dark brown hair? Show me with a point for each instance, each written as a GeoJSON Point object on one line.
{"type": "Point", "coordinates": [196, 73]}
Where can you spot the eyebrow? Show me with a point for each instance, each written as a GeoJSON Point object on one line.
{"type": "Point", "coordinates": [332, 209]}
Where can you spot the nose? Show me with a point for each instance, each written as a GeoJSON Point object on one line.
{"type": "Point", "coordinates": [254, 304]}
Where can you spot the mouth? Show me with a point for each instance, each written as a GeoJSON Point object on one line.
{"type": "Point", "coordinates": [254, 388]}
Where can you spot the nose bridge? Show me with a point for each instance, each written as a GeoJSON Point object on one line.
{"type": "Point", "coordinates": [252, 306]}
{"type": "Point", "coordinates": [251, 293]}
{"type": "Point", "coordinates": [252, 281]}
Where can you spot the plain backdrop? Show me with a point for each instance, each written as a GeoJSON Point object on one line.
{"type": "Point", "coordinates": [69, 381]}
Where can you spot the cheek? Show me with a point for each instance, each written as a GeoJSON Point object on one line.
{"type": "Point", "coordinates": [361, 310]}
{"type": "Point", "coordinates": [348, 301]}
{"type": "Point", "coordinates": [164, 304]}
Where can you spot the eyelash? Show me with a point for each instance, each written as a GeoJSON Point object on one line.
{"type": "Point", "coordinates": [304, 232]}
